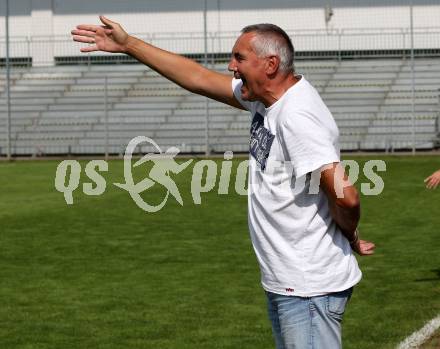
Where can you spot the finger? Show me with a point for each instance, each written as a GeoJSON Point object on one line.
{"type": "Point", "coordinates": [90, 27]}
{"type": "Point", "coordinates": [368, 253]}
{"type": "Point", "coordinates": [83, 32]}
{"type": "Point", "coordinates": [89, 48]}
{"type": "Point", "coordinates": [367, 250]}
{"type": "Point", "coordinates": [107, 22]}
{"type": "Point", "coordinates": [368, 246]}
{"type": "Point", "coordinates": [84, 39]}
{"type": "Point", "coordinates": [427, 179]}
{"type": "Point", "coordinates": [103, 29]}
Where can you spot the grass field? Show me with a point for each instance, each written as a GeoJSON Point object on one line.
{"type": "Point", "coordinates": [102, 273]}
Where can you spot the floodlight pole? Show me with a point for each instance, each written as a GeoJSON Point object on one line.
{"type": "Point", "coordinates": [8, 82]}
{"type": "Point", "coordinates": [413, 91]}
{"type": "Point", "coordinates": [205, 36]}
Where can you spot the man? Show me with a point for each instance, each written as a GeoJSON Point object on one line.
{"type": "Point", "coordinates": [303, 238]}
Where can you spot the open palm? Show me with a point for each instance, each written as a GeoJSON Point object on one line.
{"type": "Point", "coordinates": [109, 37]}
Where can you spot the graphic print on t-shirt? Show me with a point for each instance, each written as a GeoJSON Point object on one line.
{"type": "Point", "coordinates": [260, 141]}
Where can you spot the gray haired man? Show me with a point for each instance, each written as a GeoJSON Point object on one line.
{"type": "Point", "coordinates": [303, 240]}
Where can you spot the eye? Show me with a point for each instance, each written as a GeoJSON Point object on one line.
{"type": "Point", "coordinates": [238, 57]}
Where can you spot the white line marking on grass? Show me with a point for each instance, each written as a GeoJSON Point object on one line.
{"type": "Point", "coordinates": [421, 336]}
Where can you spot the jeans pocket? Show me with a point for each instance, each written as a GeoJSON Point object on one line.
{"type": "Point", "coordinates": [336, 303]}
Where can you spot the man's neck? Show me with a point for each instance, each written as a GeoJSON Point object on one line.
{"type": "Point", "coordinates": [277, 88]}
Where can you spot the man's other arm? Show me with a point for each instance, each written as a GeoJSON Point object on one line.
{"type": "Point", "coordinates": [344, 204]}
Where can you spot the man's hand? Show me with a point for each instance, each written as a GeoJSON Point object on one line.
{"type": "Point", "coordinates": [109, 37]}
{"type": "Point", "coordinates": [433, 180]}
{"type": "Point", "coordinates": [363, 248]}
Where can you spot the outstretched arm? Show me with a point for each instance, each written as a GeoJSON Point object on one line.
{"type": "Point", "coordinates": [344, 205]}
{"type": "Point", "coordinates": [185, 72]}
{"type": "Point", "coordinates": [433, 180]}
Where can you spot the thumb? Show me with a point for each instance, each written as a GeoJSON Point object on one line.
{"type": "Point", "coordinates": [107, 22]}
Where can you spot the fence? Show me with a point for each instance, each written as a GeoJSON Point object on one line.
{"type": "Point", "coordinates": [381, 84]}
{"type": "Point", "coordinates": [309, 44]}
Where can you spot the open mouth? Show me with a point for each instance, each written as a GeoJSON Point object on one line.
{"type": "Point", "coordinates": [243, 81]}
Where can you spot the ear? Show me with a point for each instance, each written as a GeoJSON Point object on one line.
{"type": "Point", "coordinates": [272, 64]}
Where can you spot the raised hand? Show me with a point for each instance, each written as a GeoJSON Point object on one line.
{"type": "Point", "coordinates": [109, 37]}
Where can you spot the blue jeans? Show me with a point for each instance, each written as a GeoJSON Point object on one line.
{"type": "Point", "coordinates": [307, 322]}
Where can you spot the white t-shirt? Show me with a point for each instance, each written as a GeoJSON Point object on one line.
{"type": "Point", "coordinates": [300, 249]}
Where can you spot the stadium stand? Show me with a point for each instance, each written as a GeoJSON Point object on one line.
{"type": "Point", "coordinates": [62, 109]}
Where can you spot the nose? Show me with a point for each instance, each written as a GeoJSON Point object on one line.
{"type": "Point", "coordinates": [232, 66]}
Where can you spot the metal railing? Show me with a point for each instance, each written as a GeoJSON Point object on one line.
{"type": "Point", "coordinates": [39, 124]}
{"type": "Point", "coordinates": [335, 43]}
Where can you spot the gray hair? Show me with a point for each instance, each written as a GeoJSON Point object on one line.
{"type": "Point", "coordinates": [272, 40]}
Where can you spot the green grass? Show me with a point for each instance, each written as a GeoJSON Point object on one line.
{"type": "Point", "coordinates": [102, 273]}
